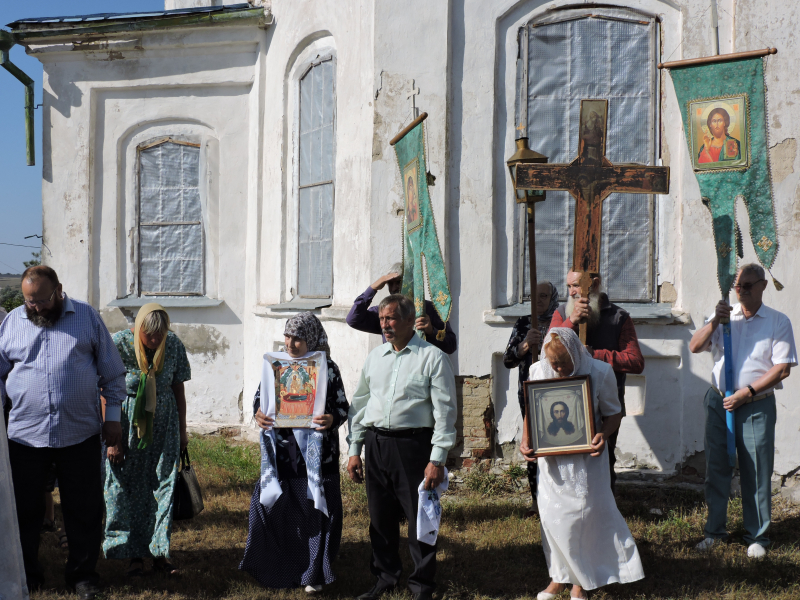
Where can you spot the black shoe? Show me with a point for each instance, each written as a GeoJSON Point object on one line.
{"type": "Point", "coordinates": [422, 596]}
{"type": "Point", "coordinates": [379, 589]}
{"type": "Point", "coordinates": [87, 590]}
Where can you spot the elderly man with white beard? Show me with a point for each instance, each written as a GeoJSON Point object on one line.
{"type": "Point", "coordinates": [610, 337]}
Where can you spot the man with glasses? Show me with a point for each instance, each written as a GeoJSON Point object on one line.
{"type": "Point", "coordinates": [55, 355]}
{"type": "Point", "coordinates": [763, 354]}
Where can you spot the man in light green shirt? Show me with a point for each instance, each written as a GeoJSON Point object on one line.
{"type": "Point", "coordinates": [403, 414]}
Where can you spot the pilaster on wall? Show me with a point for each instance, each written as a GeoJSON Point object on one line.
{"type": "Point", "coordinates": [475, 422]}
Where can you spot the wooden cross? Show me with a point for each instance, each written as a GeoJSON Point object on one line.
{"type": "Point", "coordinates": [412, 93]}
{"type": "Point", "coordinates": [590, 178]}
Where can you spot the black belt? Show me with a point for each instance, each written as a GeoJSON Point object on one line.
{"type": "Point", "coordinates": [401, 433]}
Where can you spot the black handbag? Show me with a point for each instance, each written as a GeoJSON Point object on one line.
{"type": "Point", "coordinates": [188, 500]}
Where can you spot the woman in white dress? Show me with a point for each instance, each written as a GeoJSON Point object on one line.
{"type": "Point", "coordinates": [585, 538]}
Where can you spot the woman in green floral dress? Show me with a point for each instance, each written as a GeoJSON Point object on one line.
{"type": "Point", "coordinates": [140, 480]}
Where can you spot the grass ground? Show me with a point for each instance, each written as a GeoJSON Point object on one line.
{"type": "Point", "coordinates": [486, 548]}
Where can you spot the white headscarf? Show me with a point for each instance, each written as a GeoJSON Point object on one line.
{"type": "Point", "coordinates": [581, 359]}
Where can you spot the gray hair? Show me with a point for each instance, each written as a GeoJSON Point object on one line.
{"type": "Point", "coordinates": [396, 268]}
{"type": "Point", "coordinates": [405, 307]}
{"type": "Point", "coordinates": [754, 268]}
{"type": "Point", "coordinates": [156, 322]}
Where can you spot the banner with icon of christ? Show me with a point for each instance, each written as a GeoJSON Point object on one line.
{"type": "Point", "coordinates": [725, 110]}
{"type": "Point", "coordinates": [420, 240]}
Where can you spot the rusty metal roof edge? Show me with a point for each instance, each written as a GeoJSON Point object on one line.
{"type": "Point", "coordinates": [132, 15]}
{"type": "Point", "coordinates": [125, 23]}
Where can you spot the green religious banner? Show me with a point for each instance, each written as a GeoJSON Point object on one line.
{"type": "Point", "coordinates": [723, 104]}
{"type": "Point", "coordinates": [420, 241]}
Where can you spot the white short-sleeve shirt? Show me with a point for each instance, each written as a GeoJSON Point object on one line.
{"type": "Point", "coordinates": [759, 343]}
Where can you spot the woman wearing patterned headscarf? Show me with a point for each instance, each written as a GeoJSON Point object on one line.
{"type": "Point", "coordinates": [291, 543]}
{"type": "Point", "coordinates": [143, 467]}
{"type": "Point", "coordinates": [518, 354]}
{"type": "Point", "coordinates": [584, 537]}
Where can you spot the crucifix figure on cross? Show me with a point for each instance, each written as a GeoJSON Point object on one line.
{"type": "Point", "coordinates": [412, 94]}
{"type": "Point", "coordinates": [590, 178]}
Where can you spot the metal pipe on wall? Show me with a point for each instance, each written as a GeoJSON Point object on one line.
{"type": "Point", "coordinates": [6, 43]}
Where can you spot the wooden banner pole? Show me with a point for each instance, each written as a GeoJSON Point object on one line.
{"type": "Point", "coordinates": [717, 59]}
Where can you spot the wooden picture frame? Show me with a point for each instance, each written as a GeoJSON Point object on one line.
{"type": "Point", "coordinates": [560, 415]}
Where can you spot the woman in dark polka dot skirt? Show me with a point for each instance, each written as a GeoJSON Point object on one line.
{"type": "Point", "coordinates": [292, 544]}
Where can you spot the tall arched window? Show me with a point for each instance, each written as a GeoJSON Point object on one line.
{"type": "Point", "coordinates": [170, 220]}
{"type": "Point", "coordinates": [563, 58]}
{"type": "Point", "coordinates": [317, 160]}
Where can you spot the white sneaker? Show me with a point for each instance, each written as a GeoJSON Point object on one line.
{"type": "Point", "coordinates": [313, 589]}
{"type": "Point", "coordinates": [545, 596]}
{"type": "Point", "coordinates": [706, 544]}
{"type": "Point", "coordinates": [756, 551]}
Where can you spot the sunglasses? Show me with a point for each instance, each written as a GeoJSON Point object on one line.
{"type": "Point", "coordinates": [746, 287]}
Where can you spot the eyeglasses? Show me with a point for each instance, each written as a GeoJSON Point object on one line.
{"type": "Point", "coordinates": [35, 303]}
{"type": "Point", "coordinates": [746, 287]}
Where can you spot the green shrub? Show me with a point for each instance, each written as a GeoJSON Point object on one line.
{"type": "Point", "coordinates": [11, 298]}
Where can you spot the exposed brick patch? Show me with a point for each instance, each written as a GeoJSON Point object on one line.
{"type": "Point", "coordinates": [475, 422]}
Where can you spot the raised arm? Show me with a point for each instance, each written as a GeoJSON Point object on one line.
{"type": "Point", "coordinates": [701, 340]}
{"type": "Point", "coordinates": [360, 317]}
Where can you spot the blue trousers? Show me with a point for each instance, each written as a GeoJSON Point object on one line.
{"type": "Point", "coordinates": [755, 448]}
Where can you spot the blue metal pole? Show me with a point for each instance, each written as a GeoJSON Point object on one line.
{"type": "Point", "coordinates": [730, 416]}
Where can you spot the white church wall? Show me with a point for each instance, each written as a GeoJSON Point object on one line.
{"type": "Point", "coordinates": [303, 30]}
{"type": "Point", "coordinates": [100, 105]}
{"type": "Point", "coordinates": [235, 87]}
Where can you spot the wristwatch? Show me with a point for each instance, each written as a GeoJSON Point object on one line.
{"type": "Point", "coordinates": [436, 463]}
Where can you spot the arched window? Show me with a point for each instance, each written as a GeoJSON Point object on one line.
{"type": "Point", "coordinates": [563, 58]}
{"type": "Point", "coordinates": [317, 160]}
{"type": "Point", "coordinates": [170, 219]}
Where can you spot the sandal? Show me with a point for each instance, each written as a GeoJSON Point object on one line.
{"type": "Point", "coordinates": [62, 542]}
{"type": "Point", "coordinates": [162, 565]}
{"type": "Point", "coordinates": [136, 568]}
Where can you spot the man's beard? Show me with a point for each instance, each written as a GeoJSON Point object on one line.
{"type": "Point", "coordinates": [46, 318]}
{"type": "Point", "coordinates": [568, 427]}
{"type": "Point", "coordinates": [594, 308]}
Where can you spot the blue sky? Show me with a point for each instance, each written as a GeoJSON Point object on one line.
{"type": "Point", "coordinates": [20, 185]}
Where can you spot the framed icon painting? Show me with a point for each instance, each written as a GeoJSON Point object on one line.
{"type": "Point", "coordinates": [560, 415]}
{"type": "Point", "coordinates": [720, 133]}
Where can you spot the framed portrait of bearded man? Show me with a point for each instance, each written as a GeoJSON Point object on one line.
{"type": "Point", "coordinates": [560, 415]}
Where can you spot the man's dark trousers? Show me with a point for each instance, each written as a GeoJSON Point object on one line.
{"type": "Point", "coordinates": [611, 442]}
{"type": "Point", "coordinates": [80, 487]}
{"type": "Point", "coordinates": [395, 466]}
